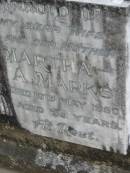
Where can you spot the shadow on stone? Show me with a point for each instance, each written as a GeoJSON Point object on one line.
{"type": "Point", "coordinates": [6, 105]}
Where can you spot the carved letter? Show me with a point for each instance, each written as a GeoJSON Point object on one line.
{"type": "Point", "coordinates": [19, 74]}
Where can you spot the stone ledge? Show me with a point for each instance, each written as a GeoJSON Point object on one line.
{"type": "Point", "coordinates": [19, 147]}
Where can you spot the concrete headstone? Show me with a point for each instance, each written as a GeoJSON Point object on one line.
{"type": "Point", "coordinates": [67, 68]}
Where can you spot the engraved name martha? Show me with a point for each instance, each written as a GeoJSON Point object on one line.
{"type": "Point", "coordinates": [66, 78]}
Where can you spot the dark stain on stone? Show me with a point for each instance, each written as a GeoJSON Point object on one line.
{"type": "Point", "coordinates": [57, 3]}
{"type": "Point", "coordinates": [72, 131]}
{"type": "Point", "coordinates": [111, 149]}
{"type": "Point", "coordinates": [61, 168]}
{"type": "Point", "coordinates": [75, 15]}
{"type": "Point", "coordinates": [114, 22]}
{"type": "Point", "coordinates": [10, 114]}
{"type": "Point", "coordinates": [58, 11]}
{"type": "Point", "coordinates": [49, 68]}
{"type": "Point", "coordinates": [104, 147]}
{"type": "Point", "coordinates": [22, 32]}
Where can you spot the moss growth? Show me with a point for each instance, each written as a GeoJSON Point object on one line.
{"type": "Point", "coordinates": [25, 139]}
{"type": "Point", "coordinates": [12, 164]}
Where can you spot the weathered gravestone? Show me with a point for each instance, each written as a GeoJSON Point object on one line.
{"type": "Point", "coordinates": [64, 68]}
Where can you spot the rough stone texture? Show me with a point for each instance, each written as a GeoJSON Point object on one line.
{"type": "Point", "coordinates": [67, 69]}
{"type": "Point", "coordinates": [31, 154]}
{"type": "Point", "coordinates": [64, 74]}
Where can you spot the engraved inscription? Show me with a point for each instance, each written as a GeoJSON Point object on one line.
{"type": "Point", "coordinates": [65, 69]}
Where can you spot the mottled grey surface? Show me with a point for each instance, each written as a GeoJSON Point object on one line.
{"type": "Point", "coordinates": [67, 65]}
{"type": "Point", "coordinates": [32, 160]}
{"type": "Point", "coordinates": [68, 164]}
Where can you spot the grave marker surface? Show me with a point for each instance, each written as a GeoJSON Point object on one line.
{"type": "Point", "coordinates": [67, 67]}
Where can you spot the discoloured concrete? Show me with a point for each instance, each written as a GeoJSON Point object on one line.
{"type": "Point", "coordinates": [91, 41]}
{"type": "Point", "coordinates": [83, 48]}
{"type": "Point", "coordinates": [19, 149]}
{"type": "Point", "coordinates": [66, 66]}
{"type": "Point", "coordinates": [2, 170]}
